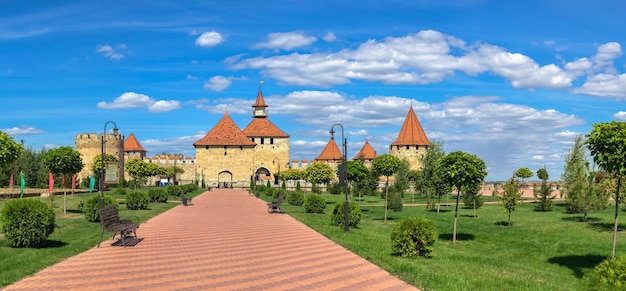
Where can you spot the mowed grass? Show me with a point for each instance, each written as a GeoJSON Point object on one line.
{"type": "Point", "coordinates": [72, 235]}
{"type": "Point", "coordinates": [540, 251]}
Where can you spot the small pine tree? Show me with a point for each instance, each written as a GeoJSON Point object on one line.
{"type": "Point", "coordinates": [298, 187]}
{"type": "Point", "coordinates": [543, 194]}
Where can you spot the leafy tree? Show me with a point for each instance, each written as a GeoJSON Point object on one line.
{"type": "Point", "coordinates": [319, 173]}
{"type": "Point", "coordinates": [607, 144]}
{"type": "Point", "coordinates": [10, 150]}
{"type": "Point", "coordinates": [430, 184]}
{"type": "Point", "coordinates": [357, 171]}
{"type": "Point", "coordinates": [461, 169]}
{"type": "Point", "coordinates": [581, 186]}
{"type": "Point", "coordinates": [509, 197]}
{"type": "Point", "coordinates": [291, 174]}
{"type": "Point", "coordinates": [169, 171]}
{"type": "Point", "coordinates": [63, 161]}
{"type": "Point", "coordinates": [543, 194]}
{"type": "Point", "coordinates": [472, 198]}
{"type": "Point", "coordinates": [31, 166]}
{"type": "Point", "coordinates": [401, 182]}
{"type": "Point", "coordinates": [139, 170]}
{"type": "Point", "coordinates": [523, 173]}
{"type": "Point", "coordinates": [386, 165]}
{"type": "Point", "coordinates": [97, 163]}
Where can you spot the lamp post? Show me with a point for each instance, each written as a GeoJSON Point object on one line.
{"type": "Point", "coordinates": [102, 173]}
{"type": "Point", "coordinates": [343, 176]}
{"type": "Point", "coordinates": [276, 180]}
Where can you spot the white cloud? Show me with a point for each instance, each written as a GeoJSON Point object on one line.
{"type": "Point", "coordinates": [22, 130]}
{"type": "Point", "coordinates": [621, 115]}
{"type": "Point", "coordinates": [286, 40]}
{"type": "Point", "coordinates": [191, 77]}
{"type": "Point", "coordinates": [136, 100]}
{"type": "Point", "coordinates": [218, 83]}
{"type": "Point", "coordinates": [209, 39]}
{"type": "Point", "coordinates": [604, 85]}
{"type": "Point", "coordinates": [110, 52]}
{"type": "Point", "coordinates": [330, 37]}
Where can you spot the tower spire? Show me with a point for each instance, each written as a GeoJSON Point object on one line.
{"type": "Point", "coordinates": [259, 105]}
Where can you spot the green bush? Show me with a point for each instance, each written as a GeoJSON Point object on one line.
{"type": "Point", "coordinates": [271, 192]}
{"type": "Point", "coordinates": [27, 222]}
{"type": "Point", "coordinates": [470, 198]}
{"type": "Point", "coordinates": [314, 203]}
{"type": "Point", "coordinates": [395, 200]}
{"type": "Point", "coordinates": [413, 237]}
{"type": "Point", "coordinates": [91, 206]}
{"type": "Point", "coordinates": [298, 186]}
{"type": "Point", "coordinates": [173, 190]}
{"type": "Point", "coordinates": [354, 214]}
{"type": "Point", "coordinates": [281, 192]}
{"type": "Point", "coordinates": [120, 191]}
{"type": "Point", "coordinates": [137, 200]}
{"type": "Point", "coordinates": [612, 271]}
{"type": "Point", "coordinates": [334, 188]}
{"type": "Point", "coordinates": [295, 198]}
{"type": "Point", "coordinates": [158, 195]}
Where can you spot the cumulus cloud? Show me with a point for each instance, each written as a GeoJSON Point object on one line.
{"type": "Point", "coordinates": [22, 130]}
{"type": "Point", "coordinates": [286, 40]}
{"type": "Point", "coordinates": [217, 83]}
{"type": "Point", "coordinates": [209, 39]}
{"type": "Point", "coordinates": [111, 52]}
{"type": "Point", "coordinates": [330, 37]}
{"type": "Point", "coordinates": [136, 100]}
{"type": "Point", "coordinates": [604, 85]}
{"type": "Point", "coordinates": [621, 115]}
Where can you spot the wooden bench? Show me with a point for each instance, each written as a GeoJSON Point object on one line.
{"type": "Point", "coordinates": [274, 206]}
{"type": "Point", "coordinates": [111, 222]}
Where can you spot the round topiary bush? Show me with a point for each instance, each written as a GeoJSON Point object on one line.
{"type": "Point", "coordinates": [354, 214]}
{"type": "Point", "coordinates": [137, 200]}
{"type": "Point", "coordinates": [314, 203]}
{"type": "Point", "coordinates": [295, 198]}
{"type": "Point", "coordinates": [158, 195]}
{"type": "Point", "coordinates": [27, 222]}
{"type": "Point", "coordinates": [612, 271]}
{"type": "Point", "coordinates": [91, 206]}
{"type": "Point", "coordinates": [413, 237]}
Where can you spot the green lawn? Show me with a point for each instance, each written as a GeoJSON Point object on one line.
{"type": "Point", "coordinates": [72, 235]}
{"type": "Point", "coordinates": [540, 251]}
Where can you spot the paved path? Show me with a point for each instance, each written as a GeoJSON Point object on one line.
{"type": "Point", "coordinates": [226, 240]}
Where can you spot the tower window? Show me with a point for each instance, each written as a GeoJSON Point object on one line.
{"type": "Point", "coordinates": [272, 140]}
{"type": "Point", "coordinates": [262, 140]}
{"type": "Point", "coordinates": [407, 147]}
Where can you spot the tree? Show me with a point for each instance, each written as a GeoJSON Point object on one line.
{"type": "Point", "coordinates": [63, 161]}
{"type": "Point", "coordinates": [543, 194]}
{"type": "Point", "coordinates": [430, 183]}
{"type": "Point", "coordinates": [581, 186]}
{"type": "Point", "coordinates": [139, 170]}
{"type": "Point", "coordinates": [461, 169]}
{"type": "Point", "coordinates": [97, 163]}
{"type": "Point", "coordinates": [523, 173]}
{"type": "Point", "coordinates": [386, 165]}
{"type": "Point", "coordinates": [10, 150]}
{"type": "Point", "coordinates": [509, 197]}
{"type": "Point", "coordinates": [319, 173]}
{"type": "Point", "coordinates": [607, 144]}
{"type": "Point", "coordinates": [357, 173]}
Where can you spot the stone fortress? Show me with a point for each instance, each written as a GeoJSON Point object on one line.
{"type": "Point", "coordinates": [229, 156]}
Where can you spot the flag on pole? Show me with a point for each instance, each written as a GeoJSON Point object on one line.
{"type": "Point", "coordinates": [11, 182]}
{"type": "Point", "coordinates": [22, 185]}
{"type": "Point", "coordinates": [50, 184]}
{"type": "Point", "coordinates": [73, 184]}
{"type": "Point", "coordinates": [92, 183]}
{"type": "Point", "coordinates": [63, 182]}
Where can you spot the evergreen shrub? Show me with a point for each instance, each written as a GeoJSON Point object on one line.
{"type": "Point", "coordinates": [27, 222]}
{"type": "Point", "coordinates": [137, 200]}
{"type": "Point", "coordinates": [158, 195]}
{"type": "Point", "coordinates": [612, 271]}
{"type": "Point", "coordinates": [295, 198]}
{"type": "Point", "coordinates": [354, 214]}
{"type": "Point", "coordinates": [413, 237]}
{"type": "Point", "coordinates": [314, 203]}
{"type": "Point", "coordinates": [395, 200]}
{"type": "Point", "coordinates": [91, 206]}
{"type": "Point", "coordinates": [120, 191]}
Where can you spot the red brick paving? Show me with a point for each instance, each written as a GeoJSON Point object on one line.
{"type": "Point", "coordinates": [226, 240]}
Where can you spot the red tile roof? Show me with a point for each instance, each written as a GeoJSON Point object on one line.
{"type": "Point", "coordinates": [330, 153]}
{"type": "Point", "coordinates": [260, 102]}
{"type": "Point", "coordinates": [411, 132]}
{"type": "Point", "coordinates": [131, 144]}
{"type": "Point", "coordinates": [366, 152]}
{"type": "Point", "coordinates": [225, 133]}
{"type": "Point", "coordinates": [263, 127]}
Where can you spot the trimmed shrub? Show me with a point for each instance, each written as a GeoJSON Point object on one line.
{"type": "Point", "coordinates": [280, 192]}
{"type": "Point", "coordinates": [295, 198]}
{"type": "Point", "coordinates": [314, 203]}
{"type": "Point", "coordinates": [27, 222]}
{"type": "Point", "coordinates": [120, 191]}
{"type": "Point", "coordinates": [137, 200]}
{"type": "Point", "coordinates": [413, 237]}
{"type": "Point", "coordinates": [334, 188]}
{"type": "Point", "coordinates": [259, 189]}
{"type": "Point", "coordinates": [271, 192]}
{"type": "Point", "coordinates": [298, 187]}
{"type": "Point", "coordinates": [354, 214]}
{"type": "Point", "coordinates": [174, 190]}
{"type": "Point", "coordinates": [395, 201]}
{"type": "Point", "coordinates": [158, 195]}
{"type": "Point", "coordinates": [612, 271]}
{"type": "Point", "coordinates": [91, 206]}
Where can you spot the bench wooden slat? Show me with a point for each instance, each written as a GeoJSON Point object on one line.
{"type": "Point", "coordinates": [111, 222]}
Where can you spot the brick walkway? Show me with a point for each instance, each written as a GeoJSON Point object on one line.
{"type": "Point", "coordinates": [226, 240]}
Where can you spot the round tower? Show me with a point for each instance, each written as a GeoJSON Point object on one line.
{"type": "Point", "coordinates": [89, 145]}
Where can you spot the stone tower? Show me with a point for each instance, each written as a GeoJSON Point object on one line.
{"type": "Point", "coordinates": [411, 143]}
{"type": "Point", "coordinates": [330, 154]}
{"type": "Point", "coordinates": [367, 154]}
{"type": "Point", "coordinates": [89, 145]}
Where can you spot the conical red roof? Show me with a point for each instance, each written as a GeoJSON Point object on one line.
{"type": "Point", "coordinates": [367, 152]}
{"type": "Point", "coordinates": [263, 127]}
{"type": "Point", "coordinates": [411, 132]}
{"type": "Point", "coordinates": [260, 102]}
{"type": "Point", "coordinates": [131, 144]}
{"type": "Point", "coordinates": [331, 152]}
{"type": "Point", "coordinates": [225, 133]}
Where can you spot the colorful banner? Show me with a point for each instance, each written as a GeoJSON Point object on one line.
{"type": "Point", "coordinates": [11, 182]}
{"type": "Point", "coordinates": [22, 184]}
{"type": "Point", "coordinates": [92, 183]}
{"type": "Point", "coordinates": [50, 184]}
{"type": "Point", "coordinates": [73, 184]}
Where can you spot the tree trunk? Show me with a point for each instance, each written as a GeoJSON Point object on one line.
{"type": "Point", "coordinates": [456, 211]}
{"type": "Point", "coordinates": [474, 208]}
{"type": "Point", "coordinates": [619, 182]}
{"type": "Point", "coordinates": [509, 218]}
{"type": "Point", "coordinates": [585, 216]}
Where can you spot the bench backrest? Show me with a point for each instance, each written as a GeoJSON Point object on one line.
{"type": "Point", "coordinates": [108, 216]}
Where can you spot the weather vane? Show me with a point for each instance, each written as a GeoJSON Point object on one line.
{"type": "Point", "coordinates": [260, 84]}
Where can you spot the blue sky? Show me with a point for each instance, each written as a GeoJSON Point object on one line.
{"type": "Point", "coordinates": [511, 81]}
